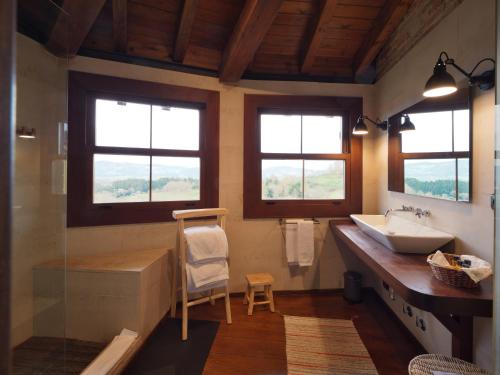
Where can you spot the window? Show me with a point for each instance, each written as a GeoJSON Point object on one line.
{"type": "Point", "coordinates": [300, 159]}
{"type": "Point", "coordinates": [301, 178]}
{"type": "Point", "coordinates": [139, 150]}
{"type": "Point", "coordinates": [435, 159]}
{"type": "Point", "coordinates": [133, 176]}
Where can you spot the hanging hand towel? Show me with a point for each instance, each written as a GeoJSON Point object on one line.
{"type": "Point", "coordinates": [305, 242]}
{"type": "Point", "coordinates": [291, 243]}
{"type": "Point", "coordinates": [206, 243]}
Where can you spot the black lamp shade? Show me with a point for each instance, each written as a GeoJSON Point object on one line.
{"type": "Point", "coordinates": [360, 128]}
{"type": "Point", "coordinates": [407, 125]}
{"type": "Point", "coordinates": [441, 82]}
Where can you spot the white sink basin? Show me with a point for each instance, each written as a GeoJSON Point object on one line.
{"type": "Point", "coordinates": [400, 235]}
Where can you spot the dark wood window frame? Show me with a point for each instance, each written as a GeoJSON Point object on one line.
{"type": "Point", "coordinates": [84, 88]}
{"type": "Point", "coordinates": [462, 99]}
{"type": "Point", "coordinates": [347, 107]}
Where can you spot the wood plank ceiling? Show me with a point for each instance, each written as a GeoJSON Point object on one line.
{"type": "Point", "coordinates": [325, 40]}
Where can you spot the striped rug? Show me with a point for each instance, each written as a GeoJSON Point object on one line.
{"type": "Point", "coordinates": [325, 346]}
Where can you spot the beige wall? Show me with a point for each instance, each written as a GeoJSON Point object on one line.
{"type": "Point", "coordinates": [39, 216]}
{"type": "Point", "coordinates": [255, 245]}
{"type": "Point", "coordinates": [467, 34]}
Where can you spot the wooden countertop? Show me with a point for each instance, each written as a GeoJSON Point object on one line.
{"type": "Point", "coordinates": [135, 261]}
{"type": "Point", "coordinates": [410, 276]}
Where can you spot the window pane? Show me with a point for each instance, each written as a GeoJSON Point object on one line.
{"type": "Point", "coordinates": [461, 130]}
{"type": "Point", "coordinates": [175, 179]}
{"type": "Point", "coordinates": [122, 124]}
{"type": "Point", "coordinates": [433, 133]}
{"type": "Point", "coordinates": [430, 177]}
{"type": "Point", "coordinates": [121, 178]}
{"type": "Point", "coordinates": [324, 179]}
{"type": "Point", "coordinates": [321, 134]}
{"type": "Point", "coordinates": [463, 179]}
{"type": "Point", "coordinates": [280, 133]}
{"type": "Point", "coordinates": [282, 179]}
{"type": "Point", "coordinates": [176, 128]}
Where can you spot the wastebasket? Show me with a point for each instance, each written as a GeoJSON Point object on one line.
{"type": "Point", "coordinates": [352, 286]}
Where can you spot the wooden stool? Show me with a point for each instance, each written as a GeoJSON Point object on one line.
{"type": "Point", "coordinates": [259, 279]}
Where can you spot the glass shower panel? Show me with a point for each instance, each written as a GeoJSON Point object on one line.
{"type": "Point", "coordinates": [39, 211]}
{"type": "Point", "coordinates": [496, 206]}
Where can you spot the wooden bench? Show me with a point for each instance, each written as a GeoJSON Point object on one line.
{"type": "Point", "coordinates": [105, 293]}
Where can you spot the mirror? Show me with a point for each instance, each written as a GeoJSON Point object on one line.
{"type": "Point", "coordinates": [434, 160]}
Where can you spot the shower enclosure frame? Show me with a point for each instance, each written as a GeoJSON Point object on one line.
{"type": "Point", "coordinates": [7, 113]}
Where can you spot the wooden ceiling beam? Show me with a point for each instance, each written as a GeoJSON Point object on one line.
{"type": "Point", "coordinates": [255, 20]}
{"type": "Point", "coordinates": [120, 25]}
{"type": "Point", "coordinates": [72, 26]}
{"type": "Point", "coordinates": [185, 27]}
{"type": "Point", "coordinates": [325, 15]}
{"type": "Point", "coordinates": [387, 21]}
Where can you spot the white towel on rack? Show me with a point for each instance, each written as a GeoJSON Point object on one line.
{"type": "Point", "coordinates": [305, 242]}
{"type": "Point", "coordinates": [206, 243]}
{"type": "Point", "coordinates": [204, 275]}
{"type": "Point", "coordinates": [291, 244]}
{"type": "Point", "coordinates": [299, 238]}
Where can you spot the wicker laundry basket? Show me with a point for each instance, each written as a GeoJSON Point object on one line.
{"type": "Point", "coordinates": [427, 363]}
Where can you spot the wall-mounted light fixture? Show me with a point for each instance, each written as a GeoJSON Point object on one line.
{"type": "Point", "coordinates": [361, 129]}
{"type": "Point", "coordinates": [26, 132]}
{"type": "Point", "coordinates": [442, 83]}
{"type": "Point", "coordinates": [407, 125]}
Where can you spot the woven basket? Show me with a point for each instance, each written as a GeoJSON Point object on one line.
{"type": "Point", "coordinates": [451, 276]}
{"type": "Point", "coordinates": [427, 363]}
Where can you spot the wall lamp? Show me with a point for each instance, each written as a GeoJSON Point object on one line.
{"type": "Point", "coordinates": [361, 129]}
{"type": "Point", "coordinates": [442, 83]}
{"type": "Point", "coordinates": [407, 125]}
{"type": "Point", "coordinates": [26, 132]}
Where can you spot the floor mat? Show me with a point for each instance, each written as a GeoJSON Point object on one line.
{"type": "Point", "coordinates": [325, 346]}
{"type": "Point", "coordinates": [164, 353]}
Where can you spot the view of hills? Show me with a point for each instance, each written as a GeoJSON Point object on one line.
{"type": "Point", "coordinates": [129, 182]}
{"type": "Point", "coordinates": [437, 178]}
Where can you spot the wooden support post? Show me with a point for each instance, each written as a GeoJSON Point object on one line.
{"type": "Point", "coordinates": [183, 280]}
{"type": "Point", "coordinates": [175, 289]}
{"type": "Point", "coordinates": [462, 331]}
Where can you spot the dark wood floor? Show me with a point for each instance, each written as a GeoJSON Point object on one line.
{"type": "Point", "coordinates": [256, 344]}
{"type": "Point", "coordinates": [53, 356]}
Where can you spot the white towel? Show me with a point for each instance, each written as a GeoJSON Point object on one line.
{"type": "Point", "coordinates": [204, 275]}
{"type": "Point", "coordinates": [479, 269]}
{"type": "Point", "coordinates": [305, 242]}
{"type": "Point", "coordinates": [299, 245]}
{"type": "Point", "coordinates": [110, 356]}
{"type": "Point", "coordinates": [291, 244]}
{"type": "Point", "coordinates": [206, 243]}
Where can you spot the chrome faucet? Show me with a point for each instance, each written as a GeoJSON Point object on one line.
{"type": "Point", "coordinates": [402, 209]}
{"type": "Point", "coordinates": [419, 213]}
